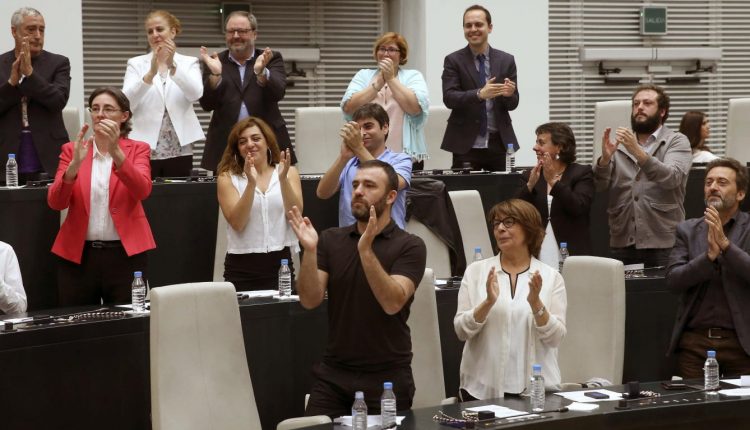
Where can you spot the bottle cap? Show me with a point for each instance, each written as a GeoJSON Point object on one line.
{"type": "Point", "coordinates": [477, 249]}
{"type": "Point", "coordinates": [137, 274]}
{"type": "Point", "coordinates": [11, 155]}
{"type": "Point", "coordinates": [711, 353]}
{"type": "Point", "coordinates": [388, 385]}
{"type": "Point", "coordinates": [284, 261]}
{"type": "Point", "coordinates": [510, 146]}
{"type": "Point", "coordinates": [563, 244]}
{"type": "Point", "coordinates": [537, 367]}
{"type": "Point", "coordinates": [359, 395]}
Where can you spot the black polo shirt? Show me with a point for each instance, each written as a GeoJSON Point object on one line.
{"type": "Point", "coordinates": [361, 336]}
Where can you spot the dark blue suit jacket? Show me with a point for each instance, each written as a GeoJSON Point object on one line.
{"type": "Point", "coordinates": [460, 85]}
{"type": "Point", "coordinates": [226, 99]}
{"type": "Point", "coordinates": [689, 269]}
{"type": "Point", "coordinates": [47, 89]}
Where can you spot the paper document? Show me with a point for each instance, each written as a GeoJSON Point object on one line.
{"type": "Point", "coordinates": [579, 396]}
{"type": "Point", "coordinates": [500, 411]}
{"type": "Point", "coordinates": [373, 421]}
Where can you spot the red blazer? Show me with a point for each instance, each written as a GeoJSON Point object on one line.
{"type": "Point", "coordinates": [128, 185]}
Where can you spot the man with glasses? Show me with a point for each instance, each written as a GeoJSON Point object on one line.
{"type": "Point", "coordinates": [239, 82]}
{"type": "Point", "coordinates": [34, 89]}
{"type": "Point", "coordinates": [479, 85]}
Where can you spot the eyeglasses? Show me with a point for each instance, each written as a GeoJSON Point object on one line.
{"type": "Point", "coordinates": [240, 31]}
{"type": "Point", "coordinates": [388, 50]}
{"type": "Point", "coordinates": [506, 222]}
{"type": "Point", "coordinates": [108, 110]}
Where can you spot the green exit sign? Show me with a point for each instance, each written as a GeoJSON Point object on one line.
{"type": "Point", "coordinates": [653, 20]}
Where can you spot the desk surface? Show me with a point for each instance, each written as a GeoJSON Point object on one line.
{"type": "Point", "coordinates": [685, 410]}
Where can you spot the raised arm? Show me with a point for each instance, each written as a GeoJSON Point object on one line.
{"type": "Point", "coordinates": [311, 281]}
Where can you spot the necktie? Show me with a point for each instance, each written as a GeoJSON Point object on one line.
{"type": "Point", "coordinates": [483, 104]}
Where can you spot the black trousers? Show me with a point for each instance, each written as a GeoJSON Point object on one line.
{"type": "Point", "coordinates": [333, 391]}
{"type": "Point", "coordinates": [104, 275]}
{"type": "Point", "coordinates": [491, 158]}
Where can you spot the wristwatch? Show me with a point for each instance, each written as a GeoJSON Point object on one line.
{"type": "Point", "coordinates": [540, 312]}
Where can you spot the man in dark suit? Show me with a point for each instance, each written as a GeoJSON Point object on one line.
{"type": "Point", "coordinates": [709, 267]}
{"type": "Point", "coordinates": [34, 89]}
{"type": "Point", "coordinates": [479, 85]}
{"type": "Point", "coordinates": [240, 82]}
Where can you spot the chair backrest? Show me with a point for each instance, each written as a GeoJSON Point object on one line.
{"type": "Point", "coordinates": [427, 363]}
{"type": "Point", "coordinates": [199, 373]}
{"type": "Point", "coordinates": [316, 137]}
{"type": "Point", "coordinates": [738, 130]}
{"type": "Point", "coordinates": [434, 131]}
{"type": "Point", "coordinates": [72, 121]}
{"type": "Point", "coordinates": [437, 251]}
{"type": "Point", "coordinates": [471, 222]}
{"type": "Point", "coordinates": [595, 342]}
{"type": "Point", "coordinates": [612, 114]}
{"type": "Point", "coordinates": [221, 247]}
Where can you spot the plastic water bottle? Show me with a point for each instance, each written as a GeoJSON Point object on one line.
{"type": "Point", "coordinates": [11, 172]}
{"type": "Point", "coordinates": [478, 254]}
{"type": "Point", "coordinates": [537, 389]}
{"type": "Point", "coordinates": [285, 279]}
{"type": "Point", "coordinates": [563, 254]}
{"type": "Point", "coordinates": [711, 373]}
{"type": "Point", "coordinates": [510, 158]}
{"type": "Point", "coordinates": [138, 293]}
{"type": "Point", "coordinates": [359, 412]}
{"type": "Point", "coordinates": [388, 406]}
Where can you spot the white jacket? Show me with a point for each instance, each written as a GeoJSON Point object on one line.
{"type": "Point", "coordinates": [147, 102]}
{"type": "Point", "coordinates": [489, 344]}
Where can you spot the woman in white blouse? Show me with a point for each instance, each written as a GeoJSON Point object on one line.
{"type": "Point", "coordinates": [511, 309]}
{"type": "Point", "coordinates": [162, 87]}
{"type": "Point", "coordinates": [694, 125]}
{"type": "Point", "coordinates": [256, 187]}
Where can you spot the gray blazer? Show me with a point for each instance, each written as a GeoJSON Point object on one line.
{"type": "Point", "coordinates": [689, 268]}
{"type": "Point", "coordinates": [646, 202]}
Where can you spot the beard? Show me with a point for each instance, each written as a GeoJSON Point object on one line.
{"type": "Point", "coordinates": [361, 208]}
{"type": "Point", "coordinates": [722, 203]}
{"type": "Point", "coordinates": [648, 126]}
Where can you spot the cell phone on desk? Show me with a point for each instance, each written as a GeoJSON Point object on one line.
{"type": "Point", "coordinates": [596, 395]}
{"type": "Point", "coordinates": [674, 386]}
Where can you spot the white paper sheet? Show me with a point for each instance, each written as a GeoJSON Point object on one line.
{"type": "Point", "coordinates": [582, 407]}
{"type": "Point", "coordinates": [500, 411]}
{"type": "Point", "coordinates": [736, 392]}
{"type": "Point", "coordinates": [743, 381]}
{"type": "Point", "coordinates": [578, 396]}
{"type": "Point", "coordinates": [373, 421]}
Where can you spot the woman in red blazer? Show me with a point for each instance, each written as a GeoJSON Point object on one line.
{"type": "Point", "coordinates": [101, 181]}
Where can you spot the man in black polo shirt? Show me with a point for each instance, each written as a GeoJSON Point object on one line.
{"type": "Point", "coordinates": [370, 270]}
{"type": "Point", "coordinates": [709, 267]}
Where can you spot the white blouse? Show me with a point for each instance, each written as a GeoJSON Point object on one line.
{"type": "Point", "coordinates": [267, 229]}
{"type": "Point", "coordinates": [499, 352]}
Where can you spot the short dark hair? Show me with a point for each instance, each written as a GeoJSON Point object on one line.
{"type": "Point", "coordinates": [690, 126]}
{"type": "Point", "coordinates": [740, 170]}
{"type": "Point", "coordinates": [374, 111]}
{"type": "Point", "coordinates": [527, 216]}
{"type": "Point", "coordinates": [232, 161]}
{"type": "Point", "coordinates": [662, 98]}
{"type": "Point", "coordinates": [478, 7]}
{"type": "Point", "coordinates": [390, 172]}
{"type": "Point", "coordinates": [122, 102]}
{"type": "Point", "coordinates": [562, 136]}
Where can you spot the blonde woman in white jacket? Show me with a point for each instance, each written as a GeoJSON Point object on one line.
{"type": "Point", "coordinates": [511, 310]}
{"type": "Point", "coordinates": [162, 87]}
